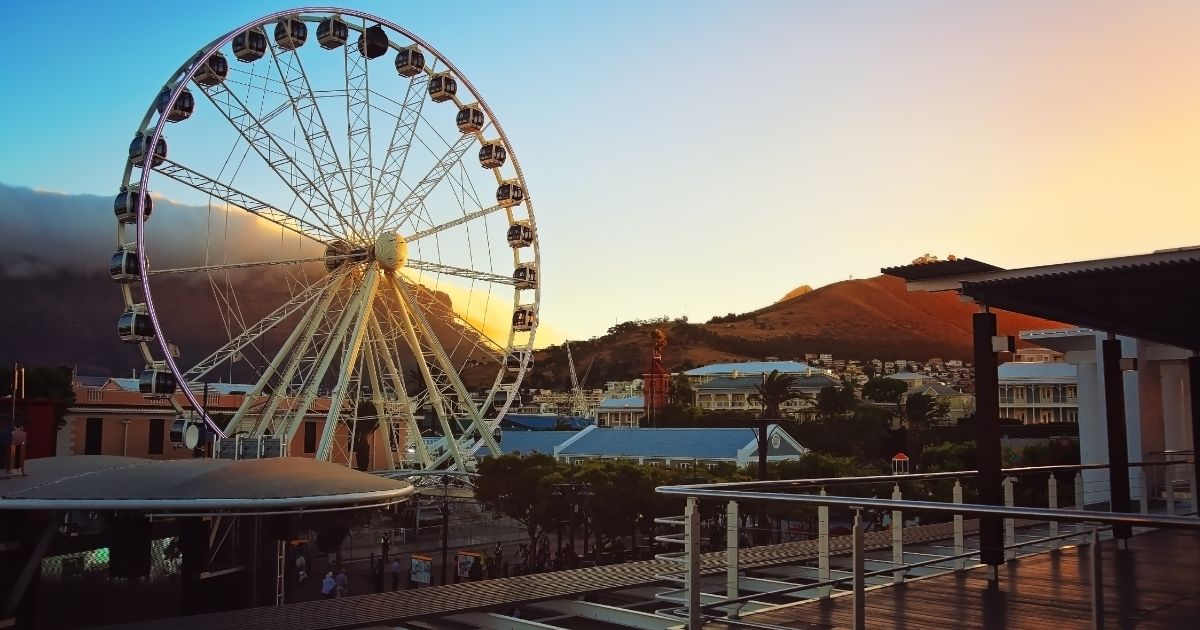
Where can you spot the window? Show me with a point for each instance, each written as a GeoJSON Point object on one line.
{"type": "Point", "coordinates": [155, 445]}
{"type": "Point", "coordinates": [93, 435]}
{"type": "Point", "coordinates": [1018, 393]}
{"type": "Point", "coordinates": [310, 437]}
{"type": "Point", "coordinates": [1071, 391]}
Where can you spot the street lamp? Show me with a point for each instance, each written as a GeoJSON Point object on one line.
{"type": "Point", "coordinates": [575, 496]}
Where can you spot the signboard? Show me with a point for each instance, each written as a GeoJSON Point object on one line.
{"type": "Point", "coordinates": [421, 569]}
{"type": "Point", "coordinates": [464, 561]}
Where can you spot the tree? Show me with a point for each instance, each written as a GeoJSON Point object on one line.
{"type": "Point", "coordinates": [775, 390]}
{"type": "Point", "coordinates": [519, 488]}
{"type": "Point", "coordinates": [884, 390]}
{"type": "Point", "coordinates": [52, 383]}
{"type": "Point", "coordinates": [920, 410]}
{"type": "Point", "coordinates": [833, 401]}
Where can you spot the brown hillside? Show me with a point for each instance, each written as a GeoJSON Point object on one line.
{"type": "Point", "coordinates": [853, 319]}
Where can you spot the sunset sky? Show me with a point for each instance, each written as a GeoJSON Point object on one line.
{"type": "Point", "coordinates": [696, 158]}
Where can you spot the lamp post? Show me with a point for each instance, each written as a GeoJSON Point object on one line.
{"type": "Point", "coordinates": [574, 496]}
{"type": "Point", "coordinates": [445, 523]}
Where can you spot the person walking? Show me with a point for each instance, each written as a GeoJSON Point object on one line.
{"type": "Point", "coordinates": [395, 573]}
{"type": "Point", "coordinates": [301, 565]}
{"type": "Point", "coordinates": [329, 586]}
{"type": "Point", "coordinates": [343, 583]}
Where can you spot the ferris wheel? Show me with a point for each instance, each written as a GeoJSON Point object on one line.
{"type": "Point", "coordinates": [342, 227]}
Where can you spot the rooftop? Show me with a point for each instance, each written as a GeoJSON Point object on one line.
{"type": "Point", "coordinates": [751, 367]}
{"type": "Point", "coordinates": [816, 381]}
{"type": "Point", "coordinates": [688, 442]}
{"type": "Point", "coordinates": [1037, 372]}
{"type": "Point", "coordinates": [632, 402]}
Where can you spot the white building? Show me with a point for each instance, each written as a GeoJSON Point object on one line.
{"type": "Point", "coordinates": [1038, 393]}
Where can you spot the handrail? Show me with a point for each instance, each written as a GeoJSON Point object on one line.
{"type": "Point", "coordinates": [782, 484]}
{"type": "Point", "coordinates": [973, 509]}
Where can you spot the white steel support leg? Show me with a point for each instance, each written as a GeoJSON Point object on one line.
{"type": "Point", "coordinates": [295, 417]}
{"type": "Point", "coordinates": [362, 307]}
{"type": "Point", "coordinates": [1170, 491]}
{"type": "Point", "coordinates": [1052, 503]}
{"type": "Point", "coordinates": [439, 354]}
{"type": "Point", "coordinates": [959, 545]}
{"type": "Point", "coordinates": [414, 431]}
{"type": "Point", "coordinates": [301, 348]}
{"type": "Point", "coordinates": [431, 386]}
{"type": "Point", "coordinates": [731, 550]}
{"type": "Point", "coordinates": [897, 538]}
{"type": "Point", "coordinates": [1144, 500]}
{"type": "Point", "coordinates": [1010, 526]}
{"type": "Point", "coordinates": [691, 554]}
{"type": "Point", "coordinates": [383, 418]}
{"type": "Point", "coordinates": [823, 544]}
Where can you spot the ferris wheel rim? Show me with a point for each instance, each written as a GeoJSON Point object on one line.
{"type": "Point", "coordinates": [183, 77]}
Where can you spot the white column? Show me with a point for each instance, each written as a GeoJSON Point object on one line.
{"type": "Point", "coordinates": [1093, 434]}
{"type": "Point", "coordinates": [731, 550]}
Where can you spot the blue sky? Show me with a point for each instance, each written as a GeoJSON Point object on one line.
{"type": "Point", "coordinates": [704, 157]}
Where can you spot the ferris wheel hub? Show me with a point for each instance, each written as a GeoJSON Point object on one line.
{"type": "Point", "coordinates": [391, 251]}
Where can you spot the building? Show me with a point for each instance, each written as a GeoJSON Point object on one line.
{"type": "Point", "coordinates": [958, 404]}
{"type": "Point", "coordinates": [912, 379]}
{"type": "Point", "coordinates": [1037, 355]}
{"type": "Point", "coordinates": [674, 448]}
{"type": "Point", "coordinates": [701, 375]}
{"type": "Point", "coordinates": [112, 417]}
{"type": "Point", "coordinates": [621, 412]}
{"type": "Point", "coordinates": [737, 393]}
{"type": "Point", "coordinates": [1038, 393]}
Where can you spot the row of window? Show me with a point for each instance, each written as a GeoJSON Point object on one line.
{"type": "Point", "coordinates": [93, 436]}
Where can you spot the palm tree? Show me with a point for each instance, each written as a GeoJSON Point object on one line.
{"type": "Point", "coordinates": [920, 410]}
{"type": "Point", "coordinates": [774, 390]}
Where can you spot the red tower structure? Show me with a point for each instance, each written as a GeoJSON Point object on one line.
{"type": "Point", "coordinates": [656, 382]}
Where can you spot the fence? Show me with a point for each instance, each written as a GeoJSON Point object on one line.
{"type": "Point", "coordinates": [1166, 486]}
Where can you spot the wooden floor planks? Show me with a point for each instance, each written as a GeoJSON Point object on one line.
{"type": "Point", "coordinates": [1154, 585]}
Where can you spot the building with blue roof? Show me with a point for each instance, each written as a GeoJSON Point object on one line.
{"type": "Point", "coordinates": [738, 393]}
{"type": "Point", "coordinates": [707, 373]}
{"type": "Point", "coordinates": [678, 447]}
{"type": "Point", "coordinates": [682, 447]}
{"type": "Point", "coordinates": [621, 412]}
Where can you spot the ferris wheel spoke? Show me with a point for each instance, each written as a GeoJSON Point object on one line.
{"type": "Point", "coordinates": [252, 332]}
{"type": "Point", "coordinates": [289, 171]}
{"type": "Point", "coordinates": [248, 265]}
{"type": "Point", "coordinates": [312, 126]}
{"type": "Point", "coordinates": [360, 176]}
{"type": "Point", "coordinates": [401, 142]}
{"type": "Point", "coordinates": [385, 352]}
{"type": "Point", "coordinates": [299, 351]}
{"type": "Point", "coordinates": [404, 296]}
{"type": "Point", "coordinates": [445, 312]}
{"type": "Point", "coordinates": [234, 197]}
{"type": "Point", "coordinates": [469, 274]}
{"type": "Point", "coordinates": [416, 198]}
{"type": "Point", "coordinates": [301, 333]}
{"type": "Point", "coordinates": [432, 388]}
{"type": "Point", "coordinates": [466, 218]}
{"type": "Point", "coordinates": [354, 313]}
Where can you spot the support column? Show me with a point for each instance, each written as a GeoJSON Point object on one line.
{"type": "Point", "coordinates": [731, 550]}
{"type": "Point", "coordinates": [1193, 390]}
{"type": "Point", "coordinates": [1118, 449]}
{"type": "Point", "coordinates": [987, 437]}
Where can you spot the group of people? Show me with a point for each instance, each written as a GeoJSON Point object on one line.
{"type": "Point", "coordinates": [335, 586]}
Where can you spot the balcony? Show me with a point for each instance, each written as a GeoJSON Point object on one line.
{"type": "Point", "coordinates": [1060, 565]}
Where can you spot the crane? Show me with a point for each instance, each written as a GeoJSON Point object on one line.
{"type": "Point", "coordinates": [578, 403]}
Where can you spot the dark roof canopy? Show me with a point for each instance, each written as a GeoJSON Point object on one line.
{"type": "Point", "coordinates": [1152, 296]}
{"type": "Point", "coordinates": [107, 482]}
{"type": "Point", "coordinates": [921, 271]}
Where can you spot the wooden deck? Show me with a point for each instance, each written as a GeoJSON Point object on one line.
{"type": "Point", "coordinates": [498, 594]}
{"type": "Point", "coordinates": [1155, 584]}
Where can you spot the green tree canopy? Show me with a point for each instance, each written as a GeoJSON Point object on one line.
{"type": "Point", "coordinates": [519, 487]}
{"type": "Point", "coordinates": [775, 390]}
{"type": "Point", "coordinates": [884, 390]}
{"type": "Point", "coordinates": [922, 409]}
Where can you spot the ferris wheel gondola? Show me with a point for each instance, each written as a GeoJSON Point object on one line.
{"type": "Point", "coordinates": [347, 259]}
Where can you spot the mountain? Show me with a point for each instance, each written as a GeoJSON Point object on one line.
{"type": "Point", "coordinates": [797, 292]}
{"type": "Point", "coordinates": [853, 319]}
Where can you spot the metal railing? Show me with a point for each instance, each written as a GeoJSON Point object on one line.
{"type": "Point", "coordinates": [1165, 486]}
